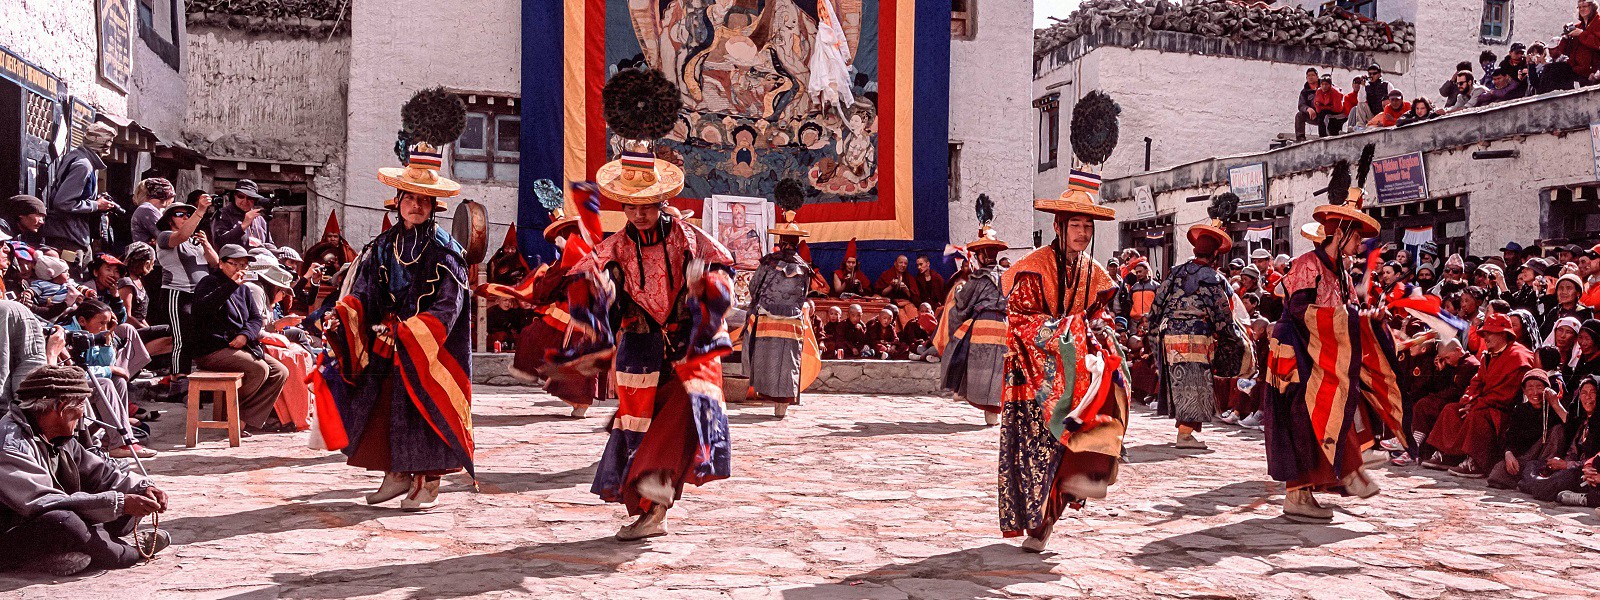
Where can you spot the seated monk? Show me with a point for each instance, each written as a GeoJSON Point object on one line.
{"type": "Point", "coordinates": [1469, 432]}
{"type": "Point", "coordinates": [883, 336]}
{"type": "Point", "coordinates": [896, 282]}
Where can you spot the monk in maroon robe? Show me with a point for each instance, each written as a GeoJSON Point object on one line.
{"type": "Point", "coordinates": [1473, 427]}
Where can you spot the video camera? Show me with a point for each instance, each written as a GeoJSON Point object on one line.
{"type": "Point", "coordinates": [79, 342]}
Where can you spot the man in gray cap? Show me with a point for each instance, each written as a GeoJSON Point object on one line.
{"type": "Point", "coordinates": [241, 221]}
{"type": "Point", "coordinates": [75, 205]}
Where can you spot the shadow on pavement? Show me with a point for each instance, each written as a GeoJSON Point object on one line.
{"type": "Point", "coordinates": [519, 420]}
{"type": "Point", "coordinates": [182, 463]}
{"type": "Point", "coordinates": [465, 576]}
{"type": "Point", "coordinates": [1155, 453]}
{"type": "Point", "coordinates": [984, 569]}
{"type": "Point", "coordinates": [493, 482]}
{"type": "Point", "coordinates": [274, 519]}
{"type": "Point", "coordinates": [872, 429]}
{"type": "Point", "coordinates": [1254, 538]}
{"type": "Point", "coordinates": [1220, 500]}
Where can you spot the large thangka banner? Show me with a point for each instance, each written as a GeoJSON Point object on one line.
{"type": "Point", "coordinates": [745, 69]}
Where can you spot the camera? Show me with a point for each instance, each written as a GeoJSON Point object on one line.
{"type": "Point", "coordinates": [79, 342]}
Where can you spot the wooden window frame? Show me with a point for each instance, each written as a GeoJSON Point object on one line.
{"type": "Point", "coordinates": [1504, 22]}
{"type": "Point", "coordinates": [500, 167]}
{"type": "Point", "coordinates": [964, 23]}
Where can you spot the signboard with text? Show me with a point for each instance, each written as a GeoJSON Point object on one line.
{"type": "Point", "coordinates": [1400, 178]}
{"type": "Point", "coordinates": [115, 22]}
{"type": "Point", "coordinates": [1594, 145]}
{"type": "Point", "coordinates": [1144, 203]}
{"type": "Point", "coordinates": [1249, 183]}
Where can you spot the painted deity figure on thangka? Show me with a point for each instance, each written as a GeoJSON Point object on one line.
{"type": "Point", "coordinates": [772, 89]}
{"type": "Point", "coordinates": [1065, 397]}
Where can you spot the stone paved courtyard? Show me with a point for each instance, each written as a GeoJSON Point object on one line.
{"type": "Point", "coordinates": [850, 497]}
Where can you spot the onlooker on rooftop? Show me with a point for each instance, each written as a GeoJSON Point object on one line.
{"type": "Point", "coordinates": [1505, 88]}
{"type": "Point", "coordinates": [1580, 44]}
{"type": "Point", "coordinates": [1486, 60]}
{"type": "Point", "coordinates": [1329, 105]}
{"type": "Point", "coordinates": [1467, 92]}
{"type": "Point", "coordinates": [1421, 110]}
{"type": "Point", "coordinates": [1307, 110]}
{"type": "Point", "coordinates": [1377, 89]}
{"type": "Point", "coordinates": [1449, 89]}
{"type": "Point", "coordinates": [1394, 108]}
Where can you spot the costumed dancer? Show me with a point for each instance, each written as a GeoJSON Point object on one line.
{"type": "Point", "coordinates": [400, 333]}
{"type": "Point", "coordinates": [664, 287]}
{"type": "Point", "coordinates": [544, 288]}
{"type": "Point", "coordinates": [779, 321]}
{"type": "Point", "coordinates": [973, 362]}
{"type": "Point", "coordinates": [1331, 369]}
{"type": "Point", "coordinates": [1191, 313]}
{"type": "Point", "coordinates": [1065, 394]}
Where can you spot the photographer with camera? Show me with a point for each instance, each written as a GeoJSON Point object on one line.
{"type": "Point", "coordinates": [64, 508]}
{"type": "Point", "coordinates": [75, 210]}
{"type": "Point", "coordinates": [243, 218]}
{"type": "Point", "coordinates": [186, 256]}
{"type": "Point", "coordinates": [111, 357]}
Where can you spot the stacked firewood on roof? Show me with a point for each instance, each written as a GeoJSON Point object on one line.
{"type": "Point", "coordinates": [1241, 21]}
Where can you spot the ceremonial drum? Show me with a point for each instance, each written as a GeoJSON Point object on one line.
{"type": "Point", "coordinates": [471, 229]}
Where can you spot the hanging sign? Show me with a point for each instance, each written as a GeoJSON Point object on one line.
{"type": "Point", "coordinates": [1144, 203]}
{"type": "Point", "coordinates": [1400, 178]}
{"type": "Point", "coordinates": [115, 23]}
{"type": "Point", "coordinates": [1249, 183]}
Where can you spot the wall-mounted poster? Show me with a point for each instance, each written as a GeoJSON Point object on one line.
{"type": "Point", "coordinates": [847, 97]}
{"type": "Point", "coordinates": [740, 223]}
{"type": "Point", "coordinates": [115, 22]}
{"type": "Point", "coordinates": [1594, 144]}
{"type": "Point", "coordinates": [1400, 178]}
{"type": "Point", "coordinates": [1249, 183]}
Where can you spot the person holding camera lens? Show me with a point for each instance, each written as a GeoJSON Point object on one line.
{"type": "Point", "coordinates": [75, 208]}
{"type": "Point", "coordinates": [243, 219]}
{"type": "Point", "coordinates": [111, 358]}
{"type": "Point", "coordinates": [185, 255]}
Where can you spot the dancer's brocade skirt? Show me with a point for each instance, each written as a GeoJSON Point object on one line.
{"type": "Point", "coordinates": [687, 440]}
{"type": "Point", "coordinates": [1032, 463]}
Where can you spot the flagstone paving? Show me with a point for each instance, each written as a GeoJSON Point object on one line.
{"type": "Point", "coordinates": [850, 497]}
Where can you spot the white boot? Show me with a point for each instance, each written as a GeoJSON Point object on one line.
{"type": "Point", "coordinates": [1037, 544]}
{"type": "Point", "coordinates": [650, 524]}
{"type": "Point", "coordinates": [1187, 441]}
{"type": "Point", "coordinates": [579, 410]}
{"type": "Point", "coordinates": [424, 494]}
{"type": "Point", "coordinates": [1359, 484]}
{"type": "Point", "coordinates": [394, 485]}
{"type": "Point", "coordinates": [1301, 507]}
{"type": "Point", "coordinates": [991, 418]}
{"type": "Point", "coordinates": [780, 409]}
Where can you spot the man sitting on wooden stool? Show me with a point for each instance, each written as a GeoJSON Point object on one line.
{"type": "Point", "coordinates": [228, 339]}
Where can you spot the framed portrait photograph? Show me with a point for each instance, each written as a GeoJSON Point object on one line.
{"type": "Point", "coordinates": [740, 223]}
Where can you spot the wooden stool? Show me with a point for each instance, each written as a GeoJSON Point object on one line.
{"type": "Point", "coordinates": [224, 405]}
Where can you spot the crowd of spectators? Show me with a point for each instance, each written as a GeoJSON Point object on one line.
{"type": "Point", "coordinates": [1510, 398]}
{"type": "Point", "coordinates": [133, 310]}
{"type": "Point", "coordinates": [1567, 62]}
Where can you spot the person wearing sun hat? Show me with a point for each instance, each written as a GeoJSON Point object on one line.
{"type": "Point", "coordinates": [667, 286]}
{"type": "Point", "coordinates": [972, 363]}
{"type": "Point", "coordinates": [778, 322]}
{"type": "Point", "coordinates": [1053, 457]}
{"type": "Point", "coordinates": [1324, 310]}
{"type": "Point", "coordinates": [1190, 312]}
{"type": "Point", "coordinates": [401, 330]}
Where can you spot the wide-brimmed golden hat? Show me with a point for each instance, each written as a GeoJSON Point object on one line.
{"type": "Point", "coordinates": [637, 177]}
{"type": "Point", "coordinates": [1212, 229]}
{"type": "Point", "coordinates": [1337, 216]}
{"type": "Point", "coordinates": [788, 228]}
{"type": "Point", "coordinates": [559, 224]}
{"type": "Point", "coordinates": [1079, 199]}
{"type": "Point", "coordinates": [988, 238]}
{"type": "Point", "coordinates": [420, 176]}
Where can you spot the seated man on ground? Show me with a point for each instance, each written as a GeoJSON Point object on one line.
{"type": "Point", "coordinates": [63, 508]}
